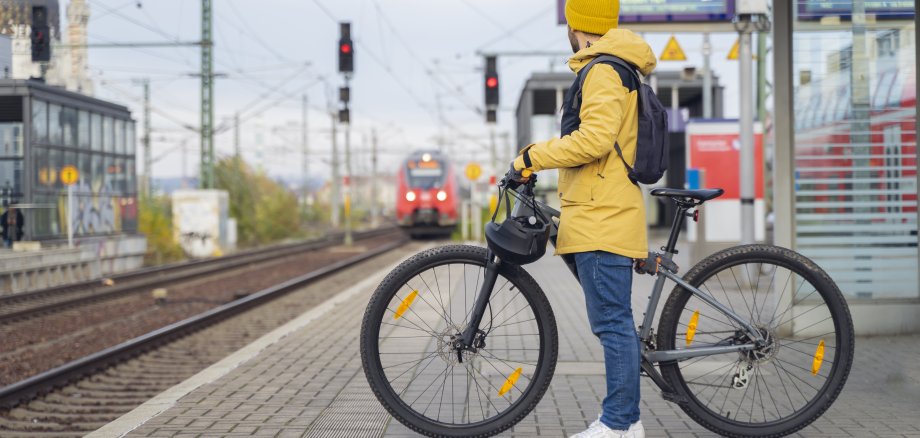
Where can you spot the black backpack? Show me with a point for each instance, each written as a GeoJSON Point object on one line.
{"type": "Point", "coordinates": [652, 136]}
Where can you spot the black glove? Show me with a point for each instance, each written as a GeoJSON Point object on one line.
{"type": "Point", "coordinates": [517, 176]}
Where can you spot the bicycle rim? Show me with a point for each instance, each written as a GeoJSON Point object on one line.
{"type": "Point", "coordinates": [784, 384]}
{"type": "Point", "coordinates": [425, 312]}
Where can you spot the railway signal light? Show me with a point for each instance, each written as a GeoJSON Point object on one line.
{"type": "Point", "coordinates": [491, 116]}
{"type": "Point", "coordinates": [344, 115]}
{"type": "Point", "coordinates": [345, 95]}
{"type": "Point", "coordinates": [41, 35]}
{"type": "Point", "coordinates": [491, 87]}
{"type": "Point", "coordinates": [346, 49]}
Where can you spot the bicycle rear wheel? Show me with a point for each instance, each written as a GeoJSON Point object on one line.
{"type": "Point", "coordinates": [776, 389]}
{"type": "Point", "coordinates": [423, 381]}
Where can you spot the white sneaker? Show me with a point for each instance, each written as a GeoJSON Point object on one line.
{"type": "Point", "coordinates": [600, 430]}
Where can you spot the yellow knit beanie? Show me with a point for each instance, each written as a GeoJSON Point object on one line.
{"type": "Point", "coordinates": [592, 16]}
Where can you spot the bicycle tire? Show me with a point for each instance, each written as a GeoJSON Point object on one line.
{"type": "Point", "coordinates": [377, 308]}
{"type": "Point", "coordinates": [844, 340]}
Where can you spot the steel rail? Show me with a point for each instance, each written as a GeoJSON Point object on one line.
{"type": "Point", "coordinates": [144, 279]}
{"type": "Point", "coordinates": [28, 389]}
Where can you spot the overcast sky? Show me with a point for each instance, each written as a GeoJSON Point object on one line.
{"type": "Point", "coordinates": [412, 58]}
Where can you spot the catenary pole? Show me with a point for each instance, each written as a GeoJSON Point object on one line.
{"type": "Point", "coordinates": [148, 154]}
{"type": "Point", "coordinates": [305, 151]}
{"type": "Point", "coordinates": [348, 183]}
{"type": "Point", "coordinates": [207, 98]}
{"type": "Point", "coordinates": [336, 180]}
{"type": "Point", "coordinates": [375, 208]}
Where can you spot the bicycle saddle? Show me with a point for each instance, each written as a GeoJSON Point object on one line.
{"type": "Point", "coordinates": [701, 195]}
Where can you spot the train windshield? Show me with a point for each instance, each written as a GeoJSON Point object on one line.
{"type": "Point", "coordinates": [425, 174]}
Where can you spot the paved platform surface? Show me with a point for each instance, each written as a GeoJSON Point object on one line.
{"type": "Point", "coordinates": [309, 383]}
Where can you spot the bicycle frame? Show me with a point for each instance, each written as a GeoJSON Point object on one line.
{"type": "Point", "coordinates": [650, 355]}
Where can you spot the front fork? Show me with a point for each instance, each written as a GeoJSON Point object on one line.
{"type": "Point", "coordinates": [482, 300]}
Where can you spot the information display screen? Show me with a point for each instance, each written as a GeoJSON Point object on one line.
{"type": "Point", "coordinates": [881, 9]}
{"type": "Point", "coordinates": [669, 11]}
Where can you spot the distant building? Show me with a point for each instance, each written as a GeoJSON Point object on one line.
{"type": "Point", "coordinates": [68, 66]}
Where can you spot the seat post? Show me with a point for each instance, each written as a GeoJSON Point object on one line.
{"type": "Point", "coordinates": [675, 228]}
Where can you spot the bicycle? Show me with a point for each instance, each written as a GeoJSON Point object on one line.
{"type": "Point", "coordinates": [766, 361]}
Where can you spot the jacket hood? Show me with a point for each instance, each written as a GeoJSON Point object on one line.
{"type": "Point", "coordinates": [621, 43]}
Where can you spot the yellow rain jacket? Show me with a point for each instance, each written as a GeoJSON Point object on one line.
{"type": "Point", "coordinates": [602, 210]}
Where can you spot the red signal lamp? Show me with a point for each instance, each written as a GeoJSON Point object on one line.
{"type": "Point", "coordinates": [492, 82]}
{"type": "Point", "coordinates": [345, 48]}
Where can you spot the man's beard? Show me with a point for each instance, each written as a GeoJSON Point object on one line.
{"type": "Point", "coordinates": [573, 41]}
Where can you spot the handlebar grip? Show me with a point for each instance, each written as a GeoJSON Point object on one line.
{"type": "Point", "coordinates": [526, 173]}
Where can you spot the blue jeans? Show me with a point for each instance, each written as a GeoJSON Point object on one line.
{"type": "Point", "coordinates": [607, 281]}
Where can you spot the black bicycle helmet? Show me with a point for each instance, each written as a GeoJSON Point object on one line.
{"type": "Point", "coordinates": [518, 240]}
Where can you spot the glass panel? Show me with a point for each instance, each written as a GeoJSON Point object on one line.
{"type": "Point", "coordinates": [11, 180]}
{"type": "Point", "coordinates": [69, 126]}
{"type": "Point", "coordinates": [53, 169]}
{"type": "Point", "coordinates": [86, 172]}
{"type": "Point", "coordinates": [120, 136]}
{"type": "Point", "coordinates": [107, 135]}
{"type": "Point", "coordinates": [855, 148]}
{"type": "Point", "coordinates": [132, 140]}
{"type": "Point", "coordinates": [119, 177]}
{"type": "Point", "coordinates": [40, 176]}
{"type": "Point", "coordinates": [98, 180]}
{"type": "Point", "coordinates": [11, 140]}
{"type": "Point", "coordinates": [39, 121]}
{"type": "Point", "coordinates": [83, 130]}
{"type": "Point", "coordinates": [131, 176]}
{"type": "Point", "coordinates": [109, 186]}
{"type": "Point", "coordinates": [96, 132]}
{"type": "Point", "coordinates": [55, 128]}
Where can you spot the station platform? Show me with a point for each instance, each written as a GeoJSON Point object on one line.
{"type": "Point", "coordinates": [305, 380]}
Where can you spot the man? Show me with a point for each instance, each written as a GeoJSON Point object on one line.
{"type": "Point", "coordinates": [11, 221]}
{"type": "Point", "coordinates": [603, 215]}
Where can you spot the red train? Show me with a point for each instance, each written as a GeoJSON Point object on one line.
{"type": "Point", "coordinates": [427, 200]}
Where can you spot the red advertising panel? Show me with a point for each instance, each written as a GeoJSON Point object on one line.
{"type": "Point", "coordinates": [715, 149]}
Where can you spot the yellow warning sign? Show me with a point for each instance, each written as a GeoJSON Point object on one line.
{"type": "Point", "coordinates": [473, 171]}
{"type": "Point", "coordinates": [733, 53]}
{"type": "Point", "coordinates": [673, 51]}
{"type": "Point", "coordinates": [69, 175]}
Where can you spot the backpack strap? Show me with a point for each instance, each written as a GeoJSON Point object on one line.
{"type": "Point", "coordinates": [583, 75]}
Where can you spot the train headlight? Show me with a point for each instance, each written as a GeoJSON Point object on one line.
{"type": "Point", "coordinates": [442, 195]}
{"type": "Point", "coordinates": [410, 196]}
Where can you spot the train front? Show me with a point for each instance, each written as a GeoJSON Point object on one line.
{"type": "Point", "coordinates": [427, 198]}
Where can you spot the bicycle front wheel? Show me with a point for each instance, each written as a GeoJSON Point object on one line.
{"type": "Point", "coordinates": [408, 354]}
{"type": "Point", "coordinates": [781, 386]}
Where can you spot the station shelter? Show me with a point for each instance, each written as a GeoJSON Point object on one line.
{"type": "Point", "coordinates": [845, 165]}
{"type": "Point", "coordinates": [44, 128]}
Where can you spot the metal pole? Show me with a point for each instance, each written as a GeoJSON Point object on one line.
{"type": "Point", "coordinates": [236, 134]}
{"type": "Point", "coordinates": [70, 216]}
{"type": "Point", "coordinates": [746, 170]}
{"type": "Point", "coordinates": [493, 157]}
{"type": "Point", "coordinates": [305, 151]}
{"type": "Point", "coordinates": [207, 98]}
{"type": "Point", "coordinates": [148, 155]}
{"type": "Point", "coordinates": [675, 105]}
{"type": "Point", "coordinates": [336, 180]}
{"type": "Point", "coordinates": [375, 207]}
{"type": "Point", "coordinates": [707, 77]}
{"type": "Point", "coordinates": [348, 238]}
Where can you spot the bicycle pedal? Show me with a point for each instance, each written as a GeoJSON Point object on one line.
{"type": "Point", "coordinates": [673, 397]}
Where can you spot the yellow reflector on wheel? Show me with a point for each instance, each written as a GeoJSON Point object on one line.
{"type": "Point", "coordinates": [510, 382]}
{"type": "Point", "coordinates": [691, 327]}
{"type": "Point", "coordinates": [405, 304]}
{"type": "Point", "coordinates": [819, 359]}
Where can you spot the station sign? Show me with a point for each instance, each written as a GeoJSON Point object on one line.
{"type": "Point", "coordinates": [813, 10]}
{"type": "Point", "coordinates": [473, 171]}
{"type": "Point", "coordinates": [669, 11]}
{"type": "Point", "coordinates": [69, 175]}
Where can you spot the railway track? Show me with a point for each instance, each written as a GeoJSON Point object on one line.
{"type": "Point", "coordinates": [40, 302]}
{"type": "Point", "coordinates": [83, 395]}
